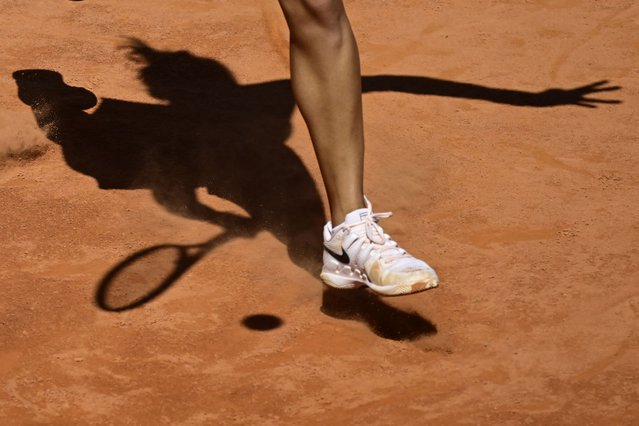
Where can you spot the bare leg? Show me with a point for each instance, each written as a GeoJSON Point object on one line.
{"type": "Point", "coordinates": [325, 75]}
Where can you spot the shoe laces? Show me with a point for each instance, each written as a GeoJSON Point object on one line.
{"type": "Point", "coordinates": [375, 239]}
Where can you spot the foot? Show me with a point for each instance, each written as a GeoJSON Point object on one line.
{"type": "Point", "coordinates": [358, 253]}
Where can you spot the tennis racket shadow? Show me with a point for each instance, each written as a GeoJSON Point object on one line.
{"type": "Point", "coordinates": [146, 274]}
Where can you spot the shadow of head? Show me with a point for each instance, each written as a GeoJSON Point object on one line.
{"type": "Point", "coordinates": [178, 76]}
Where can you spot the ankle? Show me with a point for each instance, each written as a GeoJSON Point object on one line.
{"type": "Point", "coordinates": [339, 212]}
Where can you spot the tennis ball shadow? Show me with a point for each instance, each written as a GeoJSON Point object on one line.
{"type": "Point", "coordinates": [262, 322]}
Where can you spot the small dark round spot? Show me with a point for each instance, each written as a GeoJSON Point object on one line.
{"type": "Point", "coordinates": [262, 322]}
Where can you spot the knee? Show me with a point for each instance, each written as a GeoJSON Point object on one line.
{"type": "Point", "coordinates": [308, 18]}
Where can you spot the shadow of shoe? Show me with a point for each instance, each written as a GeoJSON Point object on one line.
{"type": "Point", "coordinates": [384, 320]}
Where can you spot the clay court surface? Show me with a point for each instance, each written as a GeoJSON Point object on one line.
{"type": "Point", "coordinates": [162, 208]}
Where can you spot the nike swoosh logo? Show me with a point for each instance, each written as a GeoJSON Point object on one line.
{"type": "Point", "coordinates": [343, 257]}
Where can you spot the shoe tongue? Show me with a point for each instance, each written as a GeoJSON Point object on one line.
{"type": "Point", "coordinates": [354, 217]}
{"type": "Point", "coordinates": [368, 228]}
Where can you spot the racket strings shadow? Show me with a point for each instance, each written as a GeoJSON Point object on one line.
{"type": "Point", "coordinates": [146, 274]}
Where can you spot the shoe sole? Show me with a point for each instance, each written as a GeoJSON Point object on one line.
{"type": "Point", "coordinates": [345, 283]}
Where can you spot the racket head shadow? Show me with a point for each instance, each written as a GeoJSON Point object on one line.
{"type": "Point", "coordinates": [143, 276]}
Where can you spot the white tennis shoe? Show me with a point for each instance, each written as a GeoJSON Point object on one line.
{"type": "Point", "coordinates": [358, 252]}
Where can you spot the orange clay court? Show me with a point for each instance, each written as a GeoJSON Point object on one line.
{"type": "Point", "coordinates": [162, 211]}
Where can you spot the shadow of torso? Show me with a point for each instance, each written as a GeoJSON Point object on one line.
{"type": "Point", "coordinates": [227, 138]}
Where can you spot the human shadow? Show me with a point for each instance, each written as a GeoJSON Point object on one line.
{"type": "Point", "coordinates": [211, 132]}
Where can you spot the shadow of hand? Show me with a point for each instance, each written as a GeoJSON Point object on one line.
{"type": "Point", "coordinates": [44, 88]}
{"type": "Point", "coordinates": [576, 96]}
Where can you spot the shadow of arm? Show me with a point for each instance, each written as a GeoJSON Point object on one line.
{"type": "Point", "coordinates": [438, 87]}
